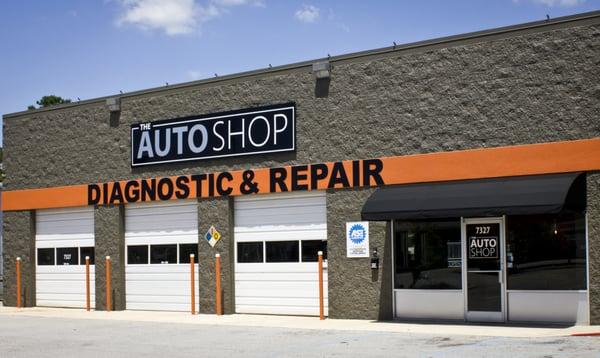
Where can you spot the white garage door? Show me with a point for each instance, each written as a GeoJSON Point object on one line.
{"type": "Point", "coordinates": [277, 238]}
{"type": "Point", "coordinates": [159, 238]}
{"type": "Point", "coordinates": [64, 237]}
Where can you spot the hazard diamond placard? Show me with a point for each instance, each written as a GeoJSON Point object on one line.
{"type": "Point", "coordinates": [212, 236]}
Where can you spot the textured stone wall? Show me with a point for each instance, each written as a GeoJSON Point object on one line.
{"type": "Point", "coordinates": [110, 241]}
{"type": "Point", "coordinates": [355, 290]}
{"type": "Point", "coordinates": [524, 88]}
{"type": "Point", "coordinates": [593, 212]}
{"type": "Point", "coordinates": [19, 241]}
{"type": "Point", "coordinates": [215, 213]}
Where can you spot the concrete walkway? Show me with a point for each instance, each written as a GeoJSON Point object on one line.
{"type": "Point", "coordinates": [312, 323]}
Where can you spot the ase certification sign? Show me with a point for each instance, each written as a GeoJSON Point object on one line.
{"type": "Point", "coordinates": [226, 134]}
{"type": "Point", "coordinates": [357, 239]}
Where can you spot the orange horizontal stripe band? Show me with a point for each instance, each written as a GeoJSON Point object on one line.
{"type": "Point", "coordinates": [530, 159]}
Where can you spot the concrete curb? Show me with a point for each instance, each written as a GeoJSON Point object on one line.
{"type": "Point", "coordinates": [296, 322]}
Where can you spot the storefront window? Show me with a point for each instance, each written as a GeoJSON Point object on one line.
{"type": "Point", "coordinates": [546, 252]}
{"type": "Point", "coordinates": [428, 255]}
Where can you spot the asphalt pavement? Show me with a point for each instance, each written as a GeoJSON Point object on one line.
{"type": "Point", "coordinates": [38, 336]}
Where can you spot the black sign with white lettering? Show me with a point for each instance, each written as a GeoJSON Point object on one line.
{"type": "Point", "coordinates": [244, 132]}
{"type": "Point", "coordinates": [483, 246]}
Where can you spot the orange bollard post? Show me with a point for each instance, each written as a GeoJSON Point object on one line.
{"type": "Point", "coordinates": [321, 307]}
{"type": "Point", "coordinates": [218, 284]}
{"type": "Point", "coordinates": [108, 298]}
{"type": "Point", "coordinates": [193, 284]}
{"type": "Point", "coordinates": [18, 282]}
{"type": "Point", "coordinates": [87, 283]}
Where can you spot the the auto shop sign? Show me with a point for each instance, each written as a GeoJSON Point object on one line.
{"type": "Point", "coordinates": [483, 241]}
{"type": "Point", "coordinates": [227, 134]}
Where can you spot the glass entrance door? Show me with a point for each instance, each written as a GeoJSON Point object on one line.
{"type": "Point", "coordinates": [484, 269]}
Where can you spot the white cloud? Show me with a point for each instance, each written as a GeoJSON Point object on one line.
{"type": "Point", "coordinates": [260, 3]}
{"type": "Point", "coordinates": [175, 17]}
{"type": "Point", "coordinates": [194, 75]}
{"type": "Point", "coordinates": [172, 16]}
{"type": "Point", "coordinates": [308, 13]}
{"type": "Point", "coordinates": [553, 3]}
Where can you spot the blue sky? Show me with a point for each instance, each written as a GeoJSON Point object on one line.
{"type": "Point", "coordinates": [88, 49]}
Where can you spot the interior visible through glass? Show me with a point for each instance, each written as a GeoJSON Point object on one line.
{"type": "Point", "coordinates": [546, 252]}
{"type": "Point", "coordinates": [428, 255]}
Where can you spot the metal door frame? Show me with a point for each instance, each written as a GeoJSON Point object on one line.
{"type": "Point", "coordinates": [485, 316]}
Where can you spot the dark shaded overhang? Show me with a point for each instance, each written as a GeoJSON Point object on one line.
{"type": "Point", "coordinates": [539, 194]}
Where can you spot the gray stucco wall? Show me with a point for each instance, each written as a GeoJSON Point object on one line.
{"type": "Point", "coordinates": [109, 234]}
{"type": "Point", "coordinates": [524, 88]}
{"type": "Point", "coordinates": [215, 212]}
{"type": "Point", "coordinates": [19, 241]}
{"type": "Point", "coordinates": [593, 212]}
{"type": "Point", "coordinates": [356, 290]}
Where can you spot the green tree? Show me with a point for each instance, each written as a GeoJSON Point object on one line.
{"type": "Point", "coordinates": [50, 100]}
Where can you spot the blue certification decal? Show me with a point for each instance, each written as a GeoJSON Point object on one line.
{"type": "Point", "coordinates": [357, 233]}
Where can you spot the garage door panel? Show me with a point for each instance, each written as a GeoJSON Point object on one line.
{"type": "Point", "coordinates": [64, 302]}
{"type": "Point", "coordinates": [171, 221]}
{"type": "Point", "coordinates": [280, 200]}
{"type": "Point", "coordinates": [277, 276]}
{"type": "Point", "coordinates": [160, 287]}
{"type": "Point", "coordinates": [151, 236]}
{"type": "Point", "coordinates": [276, 301]}
{"type": "Point", "coordinates": [65, 243]}
{"type": "Point", "coordinates": [159, 306]}
{"type": "Point", "coordinates": [311, 209]}
{"type": "Point", "coordinates": [304, 289]}
{"type": "Point", "coordinates": [308, 267]}
{"type": "Point", "coordinates": [258, 218]}
{"type": "Point", "coordinates": [157, 289]}
{"type": "Point", "coordinates": [158, 269]}
{"type": "Point", "coordinates": [172, 299]}
{"type": "Point", "coordinates": [55, 221]}
{"type": "Point", "coordinates": [161, 278]}
{"type": "Point", "coordinates": [65, 215]}
{"type": "Point", "coordinates": [64, 227]}
{"type": "Point", "coordinates": [64, 285]}
{"type": "Point", "coordinates": [307, 214]}
{"type": "Point", "coordinates": [280, 310]}
{"type": "Point", "coordinates": [312, 232]}
{"type": "Point", "coordinates": [57, 215]}
{"type": "Point", "coordinates": [162, 239]}
{"type": "Point", "coordinates": [279, 288]}
{"type": "Point", "coordinates": [66, 276]}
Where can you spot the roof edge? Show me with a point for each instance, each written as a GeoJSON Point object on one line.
{"type": "Point", "coordinates": [586, 18]}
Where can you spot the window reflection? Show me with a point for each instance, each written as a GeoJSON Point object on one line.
{"type": "Point", "coordinates": [546, 252]}
{"type": "Point", "coordinates": [428, 255]}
